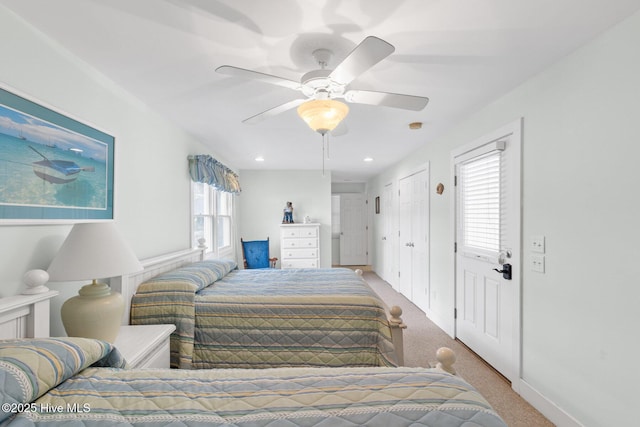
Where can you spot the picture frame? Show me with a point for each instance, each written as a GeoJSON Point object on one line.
{"type": "Point", "coordinates": [53, 168]}
{"type": "Point", "coordinates": [377, 204]}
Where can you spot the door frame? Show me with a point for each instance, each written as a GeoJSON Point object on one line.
{"type": "Point", "coordinates": [513, 128]}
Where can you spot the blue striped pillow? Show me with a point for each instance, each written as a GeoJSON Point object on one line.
{"type": "Point", "coordinates": [201, 274]}
{"type": "Point", "coordinates": [30, 367]}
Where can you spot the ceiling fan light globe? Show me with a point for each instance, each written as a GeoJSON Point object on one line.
{"type": "Point", "coordinates": [323, 115]}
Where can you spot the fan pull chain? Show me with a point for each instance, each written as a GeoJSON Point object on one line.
{"type": "Point", "coordinates": [323, 144]}
{"type": "Point", "coordinates": [328, 139]}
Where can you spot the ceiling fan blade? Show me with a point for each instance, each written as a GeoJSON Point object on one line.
{"type": "Point", "coordinates": [395, 100]}
{"type": "Point", "coordinates": [230, 70]}
{"type": "Point", "coordinates": [367, 54]}
{"type": "Point", "coordinates": [274, 111]}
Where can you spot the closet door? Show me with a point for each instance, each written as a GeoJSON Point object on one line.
{"type": "Point", "coordinates": [420, 240]}
{"type": "Point", "coordinates": [414, 238]}
{"type": "Point", "coordinates": [389, 236]}
{"type": "Point", "coordinates": [405, 270]}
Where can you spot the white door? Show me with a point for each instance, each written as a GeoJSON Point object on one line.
{"type": "Point", "coordinates": [420, 240]}
{"type": "Point", "coordinates": [487, 238]}
{"type": "Point", "coordinates": [414, 238]}
{"type": "Point", "coordinates": [405, 267]}
{"type": "Point", "coordinates": [388, 219]}
{"type": "Point", "coordinates": [353, 229]}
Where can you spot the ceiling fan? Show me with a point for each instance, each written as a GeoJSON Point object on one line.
{"type": "Point", "coordinates": [325, 84]}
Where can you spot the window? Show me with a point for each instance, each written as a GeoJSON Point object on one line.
{"type": "Point", "coordinates": [224, 202]}
{"type": "Point", "coordinates": [212, 213]}
{"type": "Point", "coordinates": [480, 203]}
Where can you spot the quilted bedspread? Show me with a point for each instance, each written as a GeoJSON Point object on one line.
{"type": "Point", "coordinates": [331, 397]}
{"type": "Point", "coordinates": [271, 318]}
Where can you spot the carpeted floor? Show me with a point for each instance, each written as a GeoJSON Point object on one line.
{"type": "Point", "coordinates": [421, 340]}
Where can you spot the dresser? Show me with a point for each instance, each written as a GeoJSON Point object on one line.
{"type": "Point", "coordinates": [300, 245]}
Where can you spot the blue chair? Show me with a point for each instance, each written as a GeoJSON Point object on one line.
{"type": "Point", "coordinates": [256, 254]}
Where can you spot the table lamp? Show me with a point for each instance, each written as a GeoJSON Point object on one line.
{"type": "Point", "coordinates": [93, 251]}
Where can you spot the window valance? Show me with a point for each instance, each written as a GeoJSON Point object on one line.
{"type": "Point", "coordinates": [206, 169]}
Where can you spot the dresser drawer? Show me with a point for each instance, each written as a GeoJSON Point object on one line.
{"type": "Point", "coordinates": [299, 263]}
{"type": "Point", "coordinates": [299, 253]}
{"type": "Point", "coordinates": [308, 231]}
{"type": "Point", "coordinates": [299, 243]}
{"type": "Point", "coordinates": [300, 232]}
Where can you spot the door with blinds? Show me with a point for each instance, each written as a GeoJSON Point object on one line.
{"type": "Point", "coordinates": [487, 256]}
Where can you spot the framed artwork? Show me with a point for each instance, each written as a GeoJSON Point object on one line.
{"type": "Point", "coordinates": [52, 167]}
{"type": "Point", "coordinates": [378, 204]}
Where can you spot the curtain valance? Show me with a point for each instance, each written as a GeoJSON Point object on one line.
{"type": "Point", "coordinates": [206, 169]}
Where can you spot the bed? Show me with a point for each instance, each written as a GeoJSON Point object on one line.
{"type": "Point", "coordinates": [80, 381]}
{"type": "Point", "coordinates": [230, 318]}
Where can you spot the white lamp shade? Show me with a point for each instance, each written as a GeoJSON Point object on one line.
{"type": "Point", "coordinates": [93, 251]}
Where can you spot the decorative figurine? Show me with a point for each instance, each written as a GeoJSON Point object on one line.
{"type": "Point", "coordinates": [288, 214]}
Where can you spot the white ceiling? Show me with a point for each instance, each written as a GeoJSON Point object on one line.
{"type": "Point", "coordinates": [462, 54]}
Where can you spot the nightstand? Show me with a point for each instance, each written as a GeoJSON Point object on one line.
{"type": "Point", "coordinates": [145, 346]}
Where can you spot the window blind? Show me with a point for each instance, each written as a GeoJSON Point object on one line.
{"type": "Point", "coordinates": [480, 202]}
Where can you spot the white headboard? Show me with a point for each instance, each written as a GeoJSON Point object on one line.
{"type": "Point", "coordinates": [25, 316]}
{"type": "Point", "coordinates": [128, 284]}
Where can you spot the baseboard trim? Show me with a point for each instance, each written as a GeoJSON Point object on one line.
{"type": "Point", "coordinates": [546, 407]}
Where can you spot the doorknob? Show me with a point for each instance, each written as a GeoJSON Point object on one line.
{"type": "Point", "coordinates": [506, 271]}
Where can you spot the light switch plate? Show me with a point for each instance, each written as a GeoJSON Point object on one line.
{"type": "Point", "coordinates": [537, 244]}
{"type": "Point", "coordinates": [537, 263]}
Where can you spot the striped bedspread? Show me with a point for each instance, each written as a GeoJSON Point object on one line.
{"type": "Point", "coordinates": [333, 397]}
{"type": "Point", "coordinates": [271, 318]}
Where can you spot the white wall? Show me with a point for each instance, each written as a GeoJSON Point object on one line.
{"type": "Point", "coordinates": [580, 177]}
{"type": "Point", "coordinates": [348, 187]}
{"type": "Point", "coordinates": [151, 176]}
{"type": "Point", "coordinates": [263, 198]}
